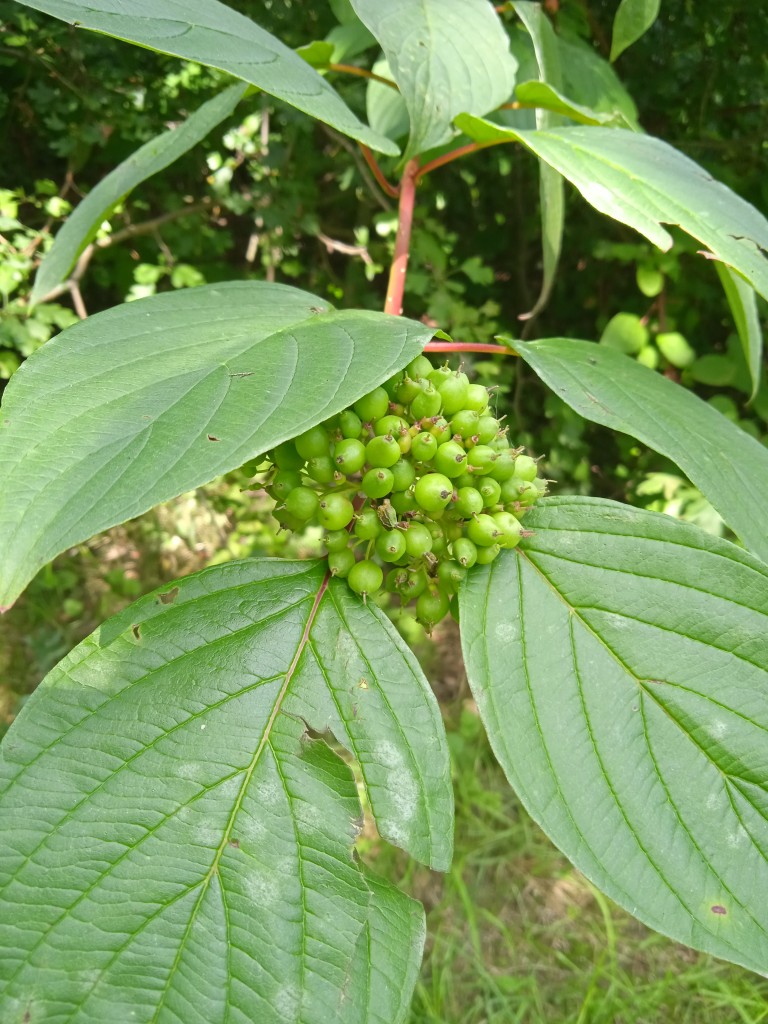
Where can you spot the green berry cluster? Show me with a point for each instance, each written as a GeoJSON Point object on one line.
{"type": "Point", "coordinates": [417, 479]}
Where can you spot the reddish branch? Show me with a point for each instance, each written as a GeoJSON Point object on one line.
{"type": "Point", "coordinates": [396, 286]}
{"type": "Point", "coordinates": [350, 69]}
{"type": "Point", "coordinates": [378, 174]}
{"type": "Point", "coordinates": [467, 346]}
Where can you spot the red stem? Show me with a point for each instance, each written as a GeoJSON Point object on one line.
{"type": "Point", "coordinates": [454, 154]}
{"type": "Point", "coordinates": [467, 346]}
{"type": "Point", "coordinates": [396, 286]}
{"type": "Point", "coordinates": [378, 174]}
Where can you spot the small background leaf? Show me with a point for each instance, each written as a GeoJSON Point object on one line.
{"type": "Point", "coordinates": [741, 299]}
{"type": "Point", "coordinates": [145, 401]}
{"type": "Point", "coordinates": [82, 224]}
{"type": "Point", "coordinates": [619, 662]}
{"type": "Point", "coordinates": [728, 466]}
{"type": "Point", "coordinates": [633, 19]}
{"type": "Point", "coordinates": [643, 182]}
{"type": "Point", "coordinates": [446, 56]}
{"type": "Point", "coordinates": [190, 841]}
{"type": "Point", "coordinates": [213, 34]}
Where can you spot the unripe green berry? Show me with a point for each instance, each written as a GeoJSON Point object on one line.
{"type": "Point", "coordinates": [490, 491]}
{"type": "Point", "coordinates": [500, 443]}
{"type": "Point", "coordinates": [390, 424]}
{"type": "Point", "coordinates": [407, 390]}
{"type": "Point", "coordinates": [487, 429]}
{"type": "Point", "coordinates": [481, 459]}
{"type": "Point", "coordinates": [465, 423]}
{"type": "Point", "coordinates": [482, 531]}
{"type": "Point", "coordinates": [469, 502]}
{"type": "Point", "coordinates": [283, 482]}
{"type": "Point", "coordinates": [321, 469]}
{"type": "Point", "coordinates": [477, 398]}
{"type": "Point", "coordinates": [313, 442]}
{"type": "Point", "coordinates": [372, 406]}
{"type": "Point", "coordinates": [419, 367]}
{"type": "Point", "coordinates": [403, 475]}
{"type": "Point", "coordinates": [440, 374]}
{"type": "Point", "coordinates": [450, 574]}
{"type": "Point", "coordinates": [439, 545]}
{"type": "Point", "coordinates": [426, 403]}
{"type": "Point", "coordinates": [365, 577]}
{"type": "Point", "coordinates": [486, 555]}
{"type": "Point", "coordinates": [390, 545]}
{"type": "Point", "coordinates": [432, 606]}
{"type": "Point", "coordinates": [285, 456]}
{"type": "Point", "coordinates": [450, 459]}
{"type": "Point", "coordinates": [335, 512]}
{"type": "Point", "coordinates": [411, 583]}
{"type": "Point", "coordinates": [382, 452]}
{"type": "Point", "coordinates": [336, 540]}
{"type": "Point", "coordinates": [464, 551]}
{"type": "Point", "coordinates": [433, 491]}
{"type": "Point", "coordinates": [350, 424]}
{"type": "Point", "coordinates": [423, 447]}
{"type": "Point", "coordinates": [340, 562]}
{"type": "Point", "coordinates": [302, 503]}
{"type": "Point", "coordinates": [418, 540]}
{"type": "Point", "coordinates": [440, 429]}
{"type": "Point", "coordinates": [377, 483]}
{"type": "Point", "coordinates": [513, 489]}
{"type": "Point", "coordinates": [367, 524]}
{"type": "Point", "coordinates": [349, 456]}
{"type": "Point", "coordinates": [504, 466]}
{"type": "Point", "coordinates": [391, 385]}
{"type": "Point", "coordinates": [509, 528]}
{"type": "Point", "coordinates": [403, 502]}
{"type": "Point", "coordinates": [525, 467]}
{"type": "Point", "coordinates": [453, 391]}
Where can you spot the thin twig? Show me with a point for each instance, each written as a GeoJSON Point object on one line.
{"type": "Point", "coordinates": [378, 174]}
{"type": "Point", "coordinates": [365, 174]}
{"type": "Point", "coordinates": [455, 154]}
{"type": "Point", "coordinates": [334, 245]}
{"type": "Point", "coordinates": [350, 69]}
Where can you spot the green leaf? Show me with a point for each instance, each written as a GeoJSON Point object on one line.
{"type": "Point", "coordinates": [83, 223]}
{"type": "Point", "coordinates": [619, 663]}
{"type": "Point", "coordinates": [643, 182]}
{"type": "Point", "coordinates": [177, 844]}
{"type": "Point", "coordinates": [590, 80]}
{"type": "Point", "coordinates": [728, 466]}
{"type": "Point", "coordinates": [741, 299]}
{"type": "Point", "coordinates": [145, 401]}
{"type": "Point", "coordinates": [210, 33]}
{"type": "Point", "coordinates": [384, 106]}
{"type": "Point", "coordinates": [544, 96]}
{"type": "Point", "coordinates": [633, 19]}
{"type": "Point", "coordinates": [551, 195]}
{"type": "Point", "coordinates": [446, 56]}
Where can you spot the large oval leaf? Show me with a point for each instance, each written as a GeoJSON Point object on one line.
{"type": "Point", "coordinates": [177, 847]}
{"type": "Point", "coordinates": [145, 401]}
{"type": "Point", "coordinates": [645, 183]}
{"type": "Point", "coordinates": [620, 663]}
{"type": "Point", "coordinates": [84, 221]}
{"type": "Point", "coordinates": [727, 465]}
{"type": "Point", "coordinates": [741, 299]}
{"type": "Point", "coordinates": [211, 33]}
{"type": "Point", "coordinates": [447, 56]}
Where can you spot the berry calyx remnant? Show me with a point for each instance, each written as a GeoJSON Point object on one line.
{"type": "Point", "coordinates": [414, 484]}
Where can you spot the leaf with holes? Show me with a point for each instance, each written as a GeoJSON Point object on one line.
{"type": "Point", "coordinates": [645, 183]}
{"type": "Point", "coordinates": [178, 843]}
{"type": "Point", "coordinates": [210, 33]}
{"type": "Point", "coordinates": [620, 665]}
{"type": "Point", "coordinates": [728, 466]}
{"type": "Point", "coordinates": [145, 401]}
{"type": "Point", "coordinates": [447, 56]}
{"type": "Point", "coordinates": [82, 224]}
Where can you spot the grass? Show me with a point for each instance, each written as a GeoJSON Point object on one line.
{"type": "Point", "coordinates": [515, 934]}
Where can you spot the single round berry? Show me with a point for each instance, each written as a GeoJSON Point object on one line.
{"type": "Point", "coordinates": [469, 502]}
{"type": "Point", "coordinates": [336, 540]}
{"type": "Point", "coordinates": [382, 452]}
{"type": "Point", "coordinates": [509, 529]}
{"type": "Point", "coordinates": [321, 469]}
{"type": "Point", "coordinates": [440, 429]}
{"type": "Point", "coordinates": [372, 406]}
{"type": "Point", "coordinates": [481, 459]}
{"type": "Point", "coordinates": [283, 482]}
{"type": "Point", "coordinates": [486, 555]}
{"type": "Point", "coordinates": [340, 562]}
{"type": "Point", "coordinates": [477, 398]}
{"type": "Point", "coordinates": [450, 459]}
{"type": "Point", "coordinates": [390, 386]}
{"type": "Point", "coordinates": [285, 456]}
{"type": "Point", "coordinates": [490, 491]}
{"type": "Point", "coordinates": [526, 468]}
{"type": "Point", "coordinates": [407, 389]}
{"type": "Point", "coordinates": [450, 574]}
{"type": "Point", "coordinates": [335, 512]}
{"type": "Point", "coordinates": [411, 583]}
{"type": "Point", "coordinates": [439, 544]}
{"type": "Point", "coordinates": [426, 403]}
{"type": "Point", "coordinates": [377, 483]}
{"type": "Point", "coordinates": [367, 524]}
{"type": "Point", "coordinates": [404, 502]}
{"type": "Point", "coordinates": [453, 392]}
{"type": "Point", "coordinates": [419, 367]}
{"type": "Point", "coordinates": [403, 474]}
{"type": "Point", "coordinates": [349, 456]}
{"type": "Point", "coordinates": [482, 531]}
{"type": "Point", "coordinates": [487, 429]}
{"type": "Point", "coordinates": [433, 491]}
{"type": "Point", "coordinates": [365, 577]}
{"type": "Point", "coordinates": [464, 551]}
{"type": "Point", "coordinates": [504, 466]}
{"type": "Point", "coordinates": [313, 442]}
{"type": "Point", "coordinates": [390, 424]}
{"type": "Point", "coordinates": [390, 545]}
{"type": "Point", "coordinates": [350, 424]}
{"type": "Point", "coordinates": [423, 447]}
{"type": "Point", "coordinates": [432, 606]}
{"type": "Point", "coordinates": [465, 423]}
{"type": "Point", "coordinates": [302, 503]}
{"type": "Point", "coordinates": [440, 374]}
{"type": "Point", "coordinates": [513, 490]}
{"type": "Point", "coordinates": [418, 540]}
